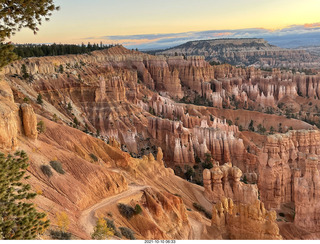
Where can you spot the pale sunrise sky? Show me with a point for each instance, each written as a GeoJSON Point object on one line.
{"type": "Point", "coordinates": [105, 20]}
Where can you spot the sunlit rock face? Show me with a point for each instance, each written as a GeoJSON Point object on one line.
{"type": "Point", "coordinates": [224, 182]}
{"type": "Point", "coordinates": [237, 221]}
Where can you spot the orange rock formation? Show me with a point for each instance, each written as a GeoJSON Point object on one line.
{"type": "Point", "coordinates": [237, 221]}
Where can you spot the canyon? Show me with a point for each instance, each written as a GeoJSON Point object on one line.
{"type": "Point", "coordinates": [247, 51]}
{"type": "Point", "coordinates": [169, 133]}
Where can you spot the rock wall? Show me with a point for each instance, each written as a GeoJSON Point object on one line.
{"type": "Point", "coordinates": [237, 221]}
{"type": "Point", "coordinates": [9, 118]}
{"type": "Point", "coordinates": [29, 121]}
{"type": "Point", "coordinates": [165, 79]}
{"type": "Point", "coordinates": [182, 144]}
{"type": "Point", "coordinates": [12, 122]}
{"type": "Point", "coordinates": [193, 71]}
{"type": "Point", "coordinates": [306, 185]}
{"type": "Point", "coordinates": [282, 155]}
{"type": "Point", "coordinates": [224, 182]}
{"type": "Point", "coordinates": [288, 172]}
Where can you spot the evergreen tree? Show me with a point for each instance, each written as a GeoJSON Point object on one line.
{"type": "Point", "coordinates": [61, 69]}
{"type": "Point", "coordinates": [6, 54]}
{"type": "Point", "coordinates": [39, 99]}
{"type": "Point", "coordinates": [272, 130]}
{"type": "Point", "coordinates": [16, 14]}
{"type": "Point", "coordinates": [251, 127]}
{"type": "Point", "coordinates": [69, 106]}
{"type": "Point", "coordinates": [19, 219]}
{"type": "Point", "coordinates": [24, 72]}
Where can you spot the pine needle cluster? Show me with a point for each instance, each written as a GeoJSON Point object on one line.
{"type": "Point", "coordinates": [19, 220]}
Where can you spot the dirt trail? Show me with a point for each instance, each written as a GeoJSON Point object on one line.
{"type": "Point", "coordinates": [87, 219]}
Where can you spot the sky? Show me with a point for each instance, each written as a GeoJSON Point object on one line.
{"type": "Point", "coordinates": [159, 24]}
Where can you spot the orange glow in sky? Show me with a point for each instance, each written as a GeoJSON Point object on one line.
{"type": "Point", "coordinates": [82, 21]}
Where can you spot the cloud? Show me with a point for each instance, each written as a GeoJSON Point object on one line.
{"type": "Point", "coordinates": [158, 41]}
{"type": "Point", "coordinates": [222, 34]}
{"type": "Point", "coordinates": [313, 25]}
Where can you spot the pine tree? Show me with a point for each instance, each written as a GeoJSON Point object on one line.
{"type": "Point", "coordinates": [251, 127]}
{"type": "Point", "coordinates": [6, 54]}
{"type": "Point", "coordinates": [39, 99]}
{"type": "Point", "coordinates": [69, 106]}
{"type": "Point", "coordinates": [17, 14]}
{"type": "Point", "coordinates": [24, 72]}
{"type": "Point", "coordinates": [19, 219]}
{"type": "Point", "coordinates": [61, 69]}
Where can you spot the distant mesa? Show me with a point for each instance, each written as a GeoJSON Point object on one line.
{"type": "Point", "coordinates": [245, 52]}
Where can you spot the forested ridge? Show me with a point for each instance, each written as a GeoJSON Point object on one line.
{"type": "Point", "coordinates": [40, 50]}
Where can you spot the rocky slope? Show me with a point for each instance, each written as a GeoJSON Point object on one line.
{"type": "Point", "coordinates": [244, 52]}
{"type": "Point", "coordinates": [115, 119]}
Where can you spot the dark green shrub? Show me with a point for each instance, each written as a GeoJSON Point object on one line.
{"type": "Point", "coordinates": [26, 99]}
{"type": "Point", "coordinates": [39, 99]}
{"type": "Point", "coordinates": [138, 209]}
{"type": "Point", "coordinates": [76, 122]}
{"type": "Point", "coordinates": [94, 157]}
{"type": "Point", "coordinates": [281, 214]}
{"type": "Point", "coordinates": [197, 159]}
{"type": "Point", "coordinates": [60, 235]}
{"type": "Point", "coordinates": [251, 127]}
{"type": "Point", "coordinates": [46, 170]}
{"type": "Point", "coordinates": [111, 225]}
{"type": "Point", "coordinates": [41, 127]}
{"type": "Point", "coordinates": [69, 106]}
{"type": "Point", "coordinates": [56, 165]}
{"type": "Point", "coordinates": [190, 173]}
{"type": "Point", "coordinates": [128, 233]}
{"type": "Point", "coordinates": [207, 165]}
{"type": "Point", "coordinates": [126, 210]}
{"type": "Point", "coordinates": [61, 69]}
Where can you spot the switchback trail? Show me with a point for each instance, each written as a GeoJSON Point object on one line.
{"type": "Point", "coordinates": [87, 219]}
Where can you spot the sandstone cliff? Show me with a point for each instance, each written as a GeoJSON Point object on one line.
{"type": "Point", "coordinates": [238, 221]}
{"type": "Point", "coordinates": [9, 118]}
{"type": "Point", "coordinates": [224, 182]}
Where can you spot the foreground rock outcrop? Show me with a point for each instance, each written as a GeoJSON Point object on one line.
{"type": "Point", "coordinates": [9, 118]}
{"type": "Point", "coordinates": [238, 221]}
{"type": "Point", "coordinates": [29, 121]}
